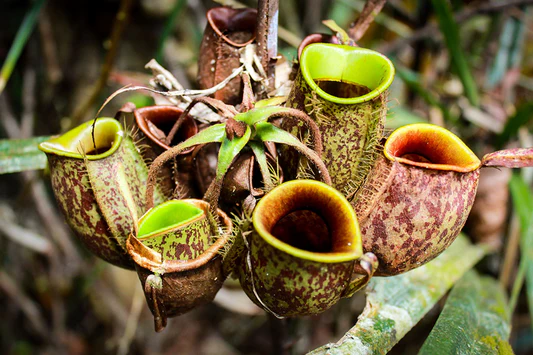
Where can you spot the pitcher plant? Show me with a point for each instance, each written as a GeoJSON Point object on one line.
{"type": "Point", "coordinates": [178, 257]}
{"type": "Point", "coordinates": [300, 257]}
{"type": "Point", "coordinates": [227, 31]}
{"type": "Point", "coordinates": [419, 195]}
{"type": "Point", "coordinates": [344, 90]}
{"type": "Point", "coordinates": [99, 181]}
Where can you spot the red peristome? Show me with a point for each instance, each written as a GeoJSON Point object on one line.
{"type": "Point", "coordinates": [316, 38]}
{"type": "Point", "coordinates": [510, 158]}
{"type": "Point", "coordinates": [163, 118]}
{"type": "Point", "coordinates": [432, 147]}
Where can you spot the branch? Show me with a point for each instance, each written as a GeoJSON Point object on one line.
{"type": "Point", "coordinates": [359, 26]}
{"type": "Point", "coordinates": [395, 304]}
{"type": "Point", "coordinates": [267, 38]}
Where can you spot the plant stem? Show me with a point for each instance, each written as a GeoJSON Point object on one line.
{"type": "Point", "coordinates": [359, 26]}
{"type": "Point", "coordinates": [267, 39]}
{"type": "Point", "coordinates": [19, 43]}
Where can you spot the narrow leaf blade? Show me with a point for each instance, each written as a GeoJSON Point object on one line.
{"type": "Point", "coordinates": [229, 150]}
{"type": "Point", "coordinates": [18, 155]}
{"type": "Point", "coordinates": [450, 31]}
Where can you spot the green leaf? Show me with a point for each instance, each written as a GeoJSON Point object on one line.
{"type": "Point", "coordinates": [450, 31]}
{"type": "Point", "coordinates": [336, 29]}
{"type": "Point", "coordinates": [523, 204]}
{"type": "Point", "coordinates": [24, 32]}
{"type": "Point", "coordinates": [213, 134]}
{"type": "Point", "coordinates": [475, 320]}
{"type": "Point", "coordinates": [523, 115]}
{"type": "Point", "coordinates": [522, 199]}
{"type": "Point", "coordinates": [267, 132]}
{"type": "Point", "coordinates": [21, 154]}
{"type": "Point", "coordinates": [395, 304]}
{"type": "Point", "coordinates": [260, 114]}
{"type": "Point", "coordinates": [229, 150]}
{"type": "Point", "coordinates": [259, 151]}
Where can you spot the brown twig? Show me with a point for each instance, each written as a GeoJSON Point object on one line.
{"type": "Point", "coordinates": [359, 26]}
{"type": "Point", "coordinates": [116, 35]}
{"type": "Point", "coordinates": [432, 30]}
{"type": "Point", "coordinates": [267, 39]}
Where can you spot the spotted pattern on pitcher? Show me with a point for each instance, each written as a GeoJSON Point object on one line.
{"type": "Point", "coordinates": [97, 199]}
{"type": "Point", "coordinates": [416, 216]}
{"type": "Point", "coordinates": [289, 286]}
{"type": "Point", "coordinates": [183, 243]}
{"type": "Point", "coordinates": [348, 133]}
{"type": "Point", "coordinates": [76, 201]}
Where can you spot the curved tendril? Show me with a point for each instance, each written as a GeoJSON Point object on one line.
{"type": "Point", "coordinates": [214, 104]}
{"type": "Point", "coordinates": [317, 161]}
{"type": "Point", "coordinates": [311, 125]}
{"type": "Point", "coordinates": [154, 171]}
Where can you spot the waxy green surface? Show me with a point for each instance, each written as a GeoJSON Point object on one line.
{"type": "Point", "coordinates": [176, 229]}
{"type": "Point", "coordinates": [18, 155]}
{"type": "Point", "coordinates": [351, 128]}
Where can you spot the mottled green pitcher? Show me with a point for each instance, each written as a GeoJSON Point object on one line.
{"type": "Point", "coordinates": [178, 257]}
{"type": "Point", "coordinates": [300, 257]}
{"type": "Point", "coordinates": [344, 89]}
{"type": "Point", "coordinates": [99, 181]}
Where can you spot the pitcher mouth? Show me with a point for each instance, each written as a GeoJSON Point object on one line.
{"type": "Point", "coordinates": [78, 143]}
{"type": "Point", "coordinates": [224, 20]}
{"type": "Point", "coordinates": [152, 260]}
{"type": "Point", "coordinates": [169, 216]}
{"type": "Point", "coordinates": [341, 63]}
{"type": "Point", "coordinates": [432, 147]}
{"type": "Point", "coordinates": [329, 222]}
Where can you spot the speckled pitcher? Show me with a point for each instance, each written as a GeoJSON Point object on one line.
{"type": "Point", "coordinates": [300, 257]}
{"type": "Point", "coordinates": [344, 89]}
{"type": "Point", "coordinates": [154, 123]}
{"type": "Point", "coordinates": [99, 186]}
{"type": "Point", "coordinates": [178, 257]}
{"type": "Point", "coordinates": [227, 31]}
{"type": "Point", "coordinates": [417, 198]}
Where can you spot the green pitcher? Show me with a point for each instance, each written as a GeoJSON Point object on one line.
{"type": "Point", "coordinates": [99, 181]}
{"type": "Point", "coordinates": [344, 89]}
{"type": "Point", "coordinates": [179, 257]}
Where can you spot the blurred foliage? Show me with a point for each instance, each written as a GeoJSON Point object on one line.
{"type": "Point", "coordinates": [466, 65]}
